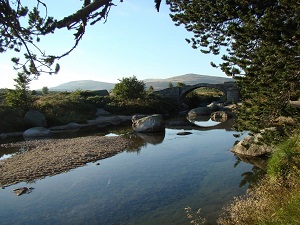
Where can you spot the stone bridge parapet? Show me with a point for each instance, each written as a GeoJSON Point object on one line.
{"type": "Point", "coordinates": [177, 94]}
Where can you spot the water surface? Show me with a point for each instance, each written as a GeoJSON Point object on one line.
{"type": "Point", "coordinates": [150, 184]}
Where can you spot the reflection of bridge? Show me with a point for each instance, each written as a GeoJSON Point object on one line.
{"type": "Point", "coordinates": [178, 93]}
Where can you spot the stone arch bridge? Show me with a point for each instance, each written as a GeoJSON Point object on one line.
{"type": "Point", "coordinates": [177, 94]}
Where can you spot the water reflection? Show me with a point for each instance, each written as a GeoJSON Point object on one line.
{"type": "Point", "coordinates": [140, 140]}
{"type": "Point", "coordinates": [170, 173]}
{"type": "Point", "coordinates": [6, 152]}
{"type": "Point", "coordinates": [204, 121]}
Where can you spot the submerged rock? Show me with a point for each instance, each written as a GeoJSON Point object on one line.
{"type": "Point", "coordinates": [184, 133]}
{"type": "Point", "coordinates": [22, 190]}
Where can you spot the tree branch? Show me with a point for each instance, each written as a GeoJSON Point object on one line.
{"type": "Point", "coordinates": [82, 13]}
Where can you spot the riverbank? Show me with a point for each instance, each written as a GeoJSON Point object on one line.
{"type": "Point", "coordinates": [41, 158]}
{"type": "Point", "coordinates": [275, 199]}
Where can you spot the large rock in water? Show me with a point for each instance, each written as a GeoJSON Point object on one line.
{"type": "Point", "coordinates": [35, 118]}
{"type": "Point", "coordinates": [251, 146]}
{"type": "Point", "coordinates": [152, 123]}
{"type": "Point", "coordinates": [37, 132]}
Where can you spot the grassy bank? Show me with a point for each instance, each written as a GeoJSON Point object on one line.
{"type": "Point", "coordinates": [276, 199]}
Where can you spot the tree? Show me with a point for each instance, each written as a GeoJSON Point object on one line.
{"type": "Point", "coordinates": [261, 40]}
{"type": "Point", "coordinates": [33, 92]}
{"type": "Point", "coordinates": [45, 90]}
{"type": "Point", "coordinates": [170, 85]}
{"type": "Point", "coordinates": [21, 29]}
{"type": "Point", "coordinates": [151, 89]}
{"type": "Point", "coordinates": [180, 84]}
{"type": "Point", "coordinates": [20, 97]}
{"type": "Point", "coordinates": [129, 88]}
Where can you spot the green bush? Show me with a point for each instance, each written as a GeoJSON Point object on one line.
{"type": "Point", "coordinates": [64, 107]}
{"type": "Point", "coordinates": [12, 119]}
{"type": "Point", "coordinates": [129, 88]}
{"type": "Point", "coordinates": [149, 105]}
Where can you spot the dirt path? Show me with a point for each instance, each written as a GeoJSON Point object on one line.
{"type": "Point", "coordinates": [49, 157]}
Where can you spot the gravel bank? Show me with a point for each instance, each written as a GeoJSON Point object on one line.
{"type": "Point", "coordinates": [53, 156]}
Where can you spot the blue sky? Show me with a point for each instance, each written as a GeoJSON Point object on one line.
{"type": "Point", "coordinates": [135, 40]}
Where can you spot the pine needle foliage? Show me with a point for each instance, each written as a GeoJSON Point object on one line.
{"type": "Point", "coordinates": [260, 41]}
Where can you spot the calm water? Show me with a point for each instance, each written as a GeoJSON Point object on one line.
{"type": "Point", "coordinates": [149, 185]}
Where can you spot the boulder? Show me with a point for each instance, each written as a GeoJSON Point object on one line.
{"type": "Point", "coordinates": [152, 123]}
{"type": "Point", "coordinates": [102, 112]}
{"type": "Point", "coordinates": [200, 111]}
{"type": "Point", "coordinates": [251, 146]}
{"type": "Point", "coordinates": [137, 117]}
{"type": "Point", "coordinates": [35, 118]}
{"type": "Point", "coordinates": [37, 132]}
{"type": "Point", "coordinates": [221, 116]}
{"type": "Point", "coordinates": [215, 106]}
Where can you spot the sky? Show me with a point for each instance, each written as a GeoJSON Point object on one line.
{"type": "Point", "coordinates": [136, 41]}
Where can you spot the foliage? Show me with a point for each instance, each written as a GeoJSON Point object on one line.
{"type": "Point", "coordinates": [45, 90]}
{"type": "Point", "coordinates": [275, 199]}
{"type": "Point", "coordinates": [20, 97]}
{"type": "Point", "coordinates": [150, 104]}
{"type": "Point", "coordinates": [261, 41]}
{"type": "Point", "coordinates": [286, 158]}
{"type": "Point", "coordinates": [195, 217]}
{"type": "Point", "coordinates": [22, 27]}
{"type": "Point", "coordinates": [63, 108]}
{"type": "Point", "coordinates": [203, 96]}
{"type": "Point", "coordinates": [170, 85]}
{"type": "Point", "coordinates": [151, 89]}
{"type": "Point", "coordinates": [13, 119]}
{"type": "Point", "coordinates": [180, 84]}
{"type": "Point", "coordinates": [33, 92]}
{"type": "Point", "coordinates": [129, 88]}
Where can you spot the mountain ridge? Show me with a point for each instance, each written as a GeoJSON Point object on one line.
{"type": "Point", "coordinates": [157, 84]}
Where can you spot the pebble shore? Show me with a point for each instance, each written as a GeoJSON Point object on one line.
{"type": "Point", "coordinates": [42, 158]}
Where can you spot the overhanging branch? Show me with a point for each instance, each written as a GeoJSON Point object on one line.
{"type": "Point", "coordinates": [82, 13]}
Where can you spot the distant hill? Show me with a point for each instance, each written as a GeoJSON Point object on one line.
{"type": "Point", "coordinates": [157, 84]}
{"type": "Point", "coordinates": [83, 85]}
{"type": "Point", "coordinates": [188, 79]}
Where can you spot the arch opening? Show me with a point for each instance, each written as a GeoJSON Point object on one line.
{"type": "Point", "coordinates": [202, 96]}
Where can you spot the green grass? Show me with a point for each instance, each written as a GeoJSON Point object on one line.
{"type": "Point", "coordinates": [276, 199]}
{"type": "Point", "coordinates": [285, 158]}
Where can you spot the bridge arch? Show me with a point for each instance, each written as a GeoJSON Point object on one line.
{"type": "Point", "coordinates": [187, 89]}
{"type": "Point", "coordinates": [178, 93]}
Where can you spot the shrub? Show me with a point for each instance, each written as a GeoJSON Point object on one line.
{"type": "Point", "coordinates": [12, 119]}
{"type": "Point", "coordinates": [64, 107]}
{"type": "Point", "coordinates": [129, 88]}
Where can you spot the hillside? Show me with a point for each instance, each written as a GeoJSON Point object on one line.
{"type": "Point", "coordinates": [188, 79]}
{"type": "Point", "coordinates": [83, 85]}
{"type": "Point", "coordinates": [157, 84]}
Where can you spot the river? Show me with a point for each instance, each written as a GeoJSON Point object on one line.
{"type": "Point", "coordinates": [149, 184]}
